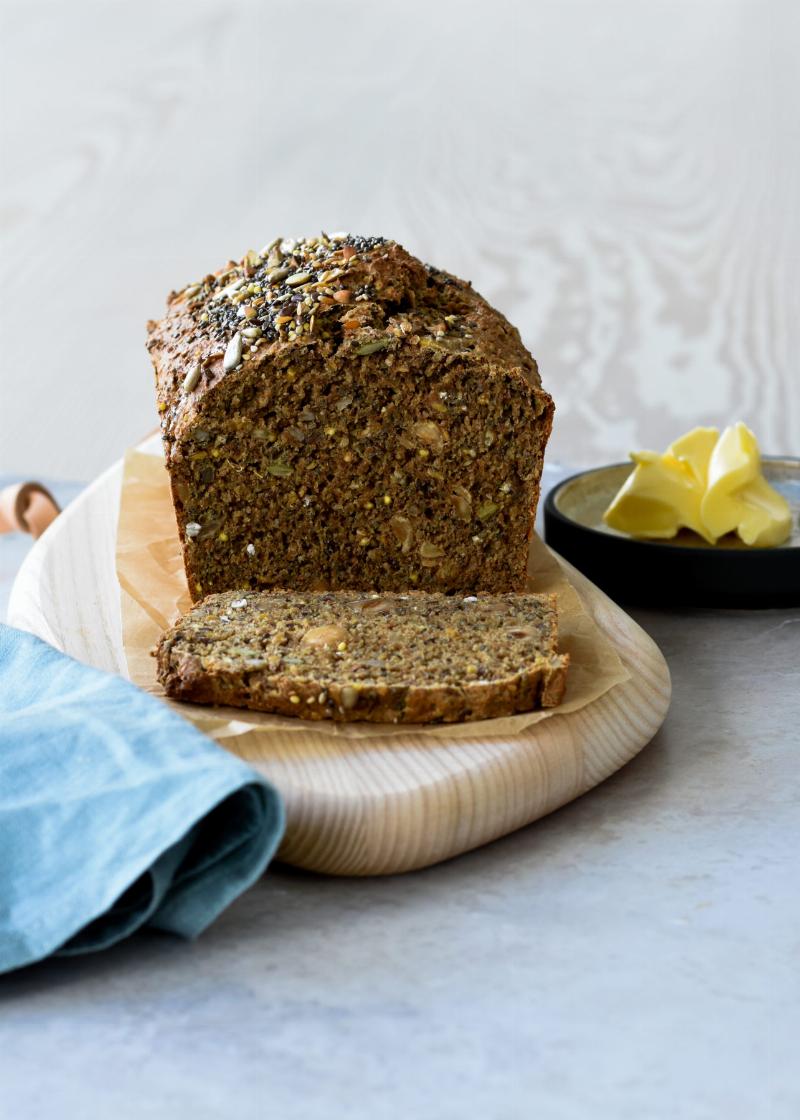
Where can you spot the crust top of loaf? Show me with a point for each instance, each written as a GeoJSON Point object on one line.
{"type": "Point", "coordinates": [338, 295]}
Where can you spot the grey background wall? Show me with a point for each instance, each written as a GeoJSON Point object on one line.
{"type": "Point", "coordinates": [620, 178]}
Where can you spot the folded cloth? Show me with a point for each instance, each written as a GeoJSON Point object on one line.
{"type": "Point", "coordinates": [114, 812]}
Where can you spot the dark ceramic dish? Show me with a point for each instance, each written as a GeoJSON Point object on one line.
{"type": "Point", "coordinates": [681, 572]}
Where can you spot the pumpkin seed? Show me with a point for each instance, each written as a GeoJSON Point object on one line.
{"type": "Point", "coordinates": [403, 531]}
{"type": "Point", "coordinates": [373, 347]}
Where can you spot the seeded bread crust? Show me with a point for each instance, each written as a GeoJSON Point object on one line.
{"type": "Point", "coordinates": [335, 413]}
{"type": "Point", "coordinates": [346, 656]}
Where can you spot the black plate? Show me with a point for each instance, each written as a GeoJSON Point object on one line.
{"type": "Point", "coordinates": [684, 571]}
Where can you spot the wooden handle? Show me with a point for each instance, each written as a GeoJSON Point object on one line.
{"type": "Point", "coordinates": [27, 507]}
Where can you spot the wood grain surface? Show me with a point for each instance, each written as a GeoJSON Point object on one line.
{"type": "Point", "coordinates": [620, 178]}
{"type": "Point", "coordinates": [366, 806]}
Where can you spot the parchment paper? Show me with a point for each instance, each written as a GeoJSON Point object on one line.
{"type": "Point", "coordinates": [154, 592]}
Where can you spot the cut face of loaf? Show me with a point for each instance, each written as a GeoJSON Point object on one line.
{"type": "Point", "coordinates": [410, 658]}
{"type": "Point", "coordinates": [336, 414]}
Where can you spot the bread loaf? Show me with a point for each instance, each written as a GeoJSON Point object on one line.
{"type": "Point", "coordinates": [401, 658]}
{"type": "Point", "coordinates": [336, 414]}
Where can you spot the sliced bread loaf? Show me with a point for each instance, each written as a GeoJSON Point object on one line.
{"type": "Point", "coordinates": [337, 414]}
{"type": "Point", "coordinates": [415, 657]}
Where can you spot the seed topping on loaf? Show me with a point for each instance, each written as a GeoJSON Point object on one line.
{"type": "Point", "coordinates": [285, 290]}
{"type": "Point", "coordinates": [316, 288]}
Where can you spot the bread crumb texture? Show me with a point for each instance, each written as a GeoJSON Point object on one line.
{"type": "Point", "coordinates": [416, 657]}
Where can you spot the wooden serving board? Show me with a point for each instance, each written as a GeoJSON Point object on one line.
{"type": "Point", "coordinates": [356, 807]}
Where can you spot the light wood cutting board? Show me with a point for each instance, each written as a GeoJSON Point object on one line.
{"type": "Point", "coordinates": [355, 807]}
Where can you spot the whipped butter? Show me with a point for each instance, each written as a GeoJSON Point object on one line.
{"type": "Point", "coordinates": [706, 482]}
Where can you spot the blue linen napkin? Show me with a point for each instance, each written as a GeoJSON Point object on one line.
{"type": "Point", "coordinates": [114, 812]}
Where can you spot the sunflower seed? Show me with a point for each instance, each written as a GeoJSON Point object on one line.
{"type": "Point", "coordinates": [233, 353]}
{"type": "Point", "coordinates": [462, 500]}
{"type": "Point", "coordinates": [265, 252]}
{"type": "Point", "coordinates": [429, 433]}
{"type": "Point", "coordinates": [297, 279]}
{"type": "Point", "coordinates": [191, 378]}
{"type": "Point", "coordinates": [192, 529]}
{"type": "Point", "coordinates": [348, 697]}
{"type": "Point", "coordinates": [230, 290]}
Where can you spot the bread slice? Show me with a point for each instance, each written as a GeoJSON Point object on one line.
{"type": "Point", "coordinates": [415, 657]}
{"type": "Point", "coordinates": [337, 414]}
